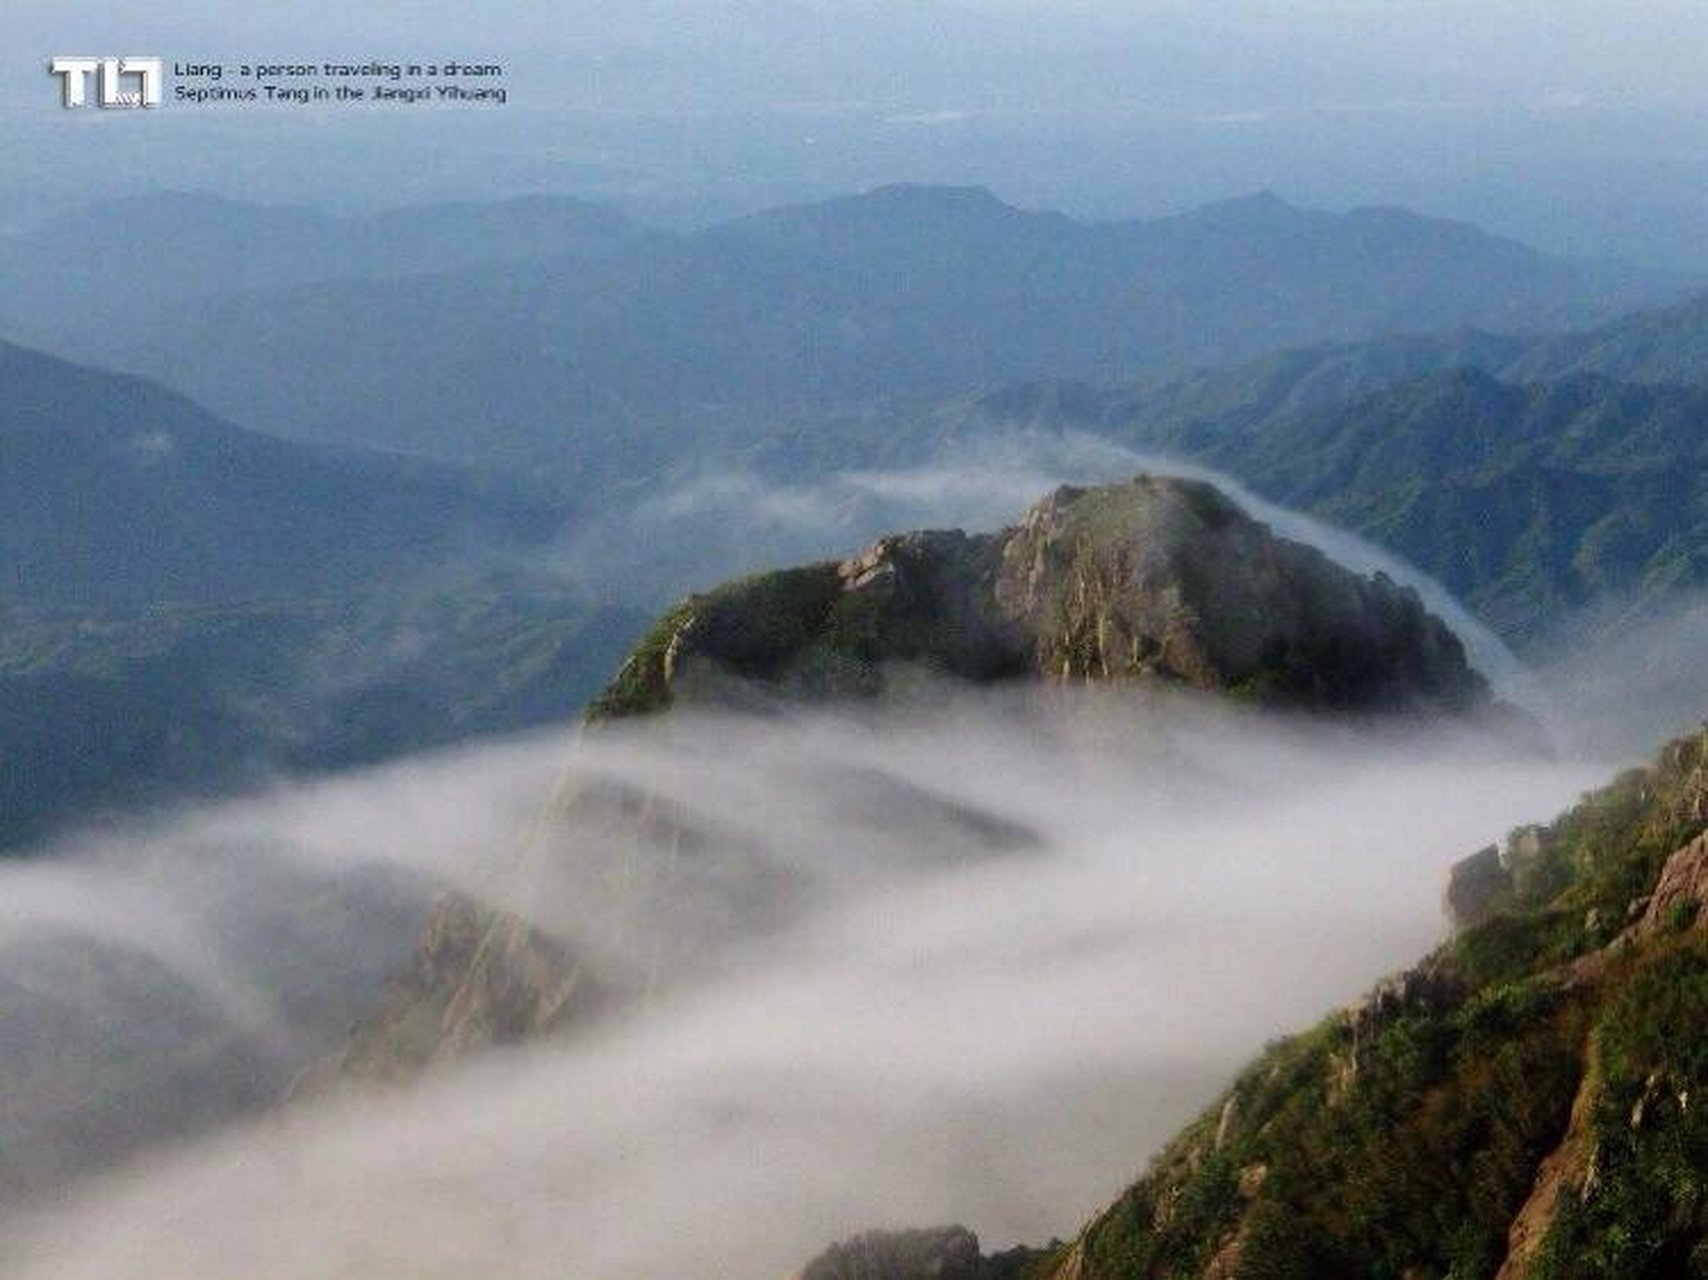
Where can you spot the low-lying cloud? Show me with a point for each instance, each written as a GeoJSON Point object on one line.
{"type": "Point", "coordinates": [1015, 940]}
{"type": "Point", "coordinates": [973, 962]}
{"type": "Point", "coordinates": [159, 978]}
{"type": "Point", "coordinates": [1625, 675]}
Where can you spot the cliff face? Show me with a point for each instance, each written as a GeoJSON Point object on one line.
{"type": "Point", "coordinates": [1157, 580]}
{"type": "Point", "coordinates": [478, 978]}
{"type": "Point", "coordinates": [1527, 1103]}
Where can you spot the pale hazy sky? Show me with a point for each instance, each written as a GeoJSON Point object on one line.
{"type": "Point", "coordinates": [1334, 53]}
{"type": "Point", "coordinates": [1576, 124]}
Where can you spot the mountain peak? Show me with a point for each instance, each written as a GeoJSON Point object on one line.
{"type": "Point", "coordinates": [905, 207]}
{"type": "Point", "coordinates": [929, 195]}
{"type": "Point", "coordinates": [1159, 579]}
{"type": "Point", "coordinates": [1265, 200]}
{"type": "Point", "coordinates": [1257, 208]}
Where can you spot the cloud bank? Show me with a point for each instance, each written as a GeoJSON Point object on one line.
{"type": "Point", "coordinates": [920, 1023]}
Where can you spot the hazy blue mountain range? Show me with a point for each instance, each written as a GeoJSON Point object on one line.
{"type": "Point", "coordinates": [122, 262]}
{"type": "Point", "coordinates": [1660, 345]}
{"type": "Point", "coordinates": [593, 364]}
{"type": "Point", "coordinates": [1666, 345]}
{"type": "Point", "coordinates": [329, 607]}
{"type": "Point", "coordinates": [191, 606]}
{"type": "Point", "coordinates": [1525, 501]}
{"type": "Point", "coordinates": [283, 561]}
{"type": "Point", "coordinates": [1213, 404]}
{"type": "Point", "coordinates": [100, 712]}
{"type": "Point", "coordinates": [187, 606]}
{"type": "Point", "coordinates": [115, 491]}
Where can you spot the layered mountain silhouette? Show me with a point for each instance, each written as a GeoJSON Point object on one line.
{"type": "Point", "coordinates": [1669, 345]}
{"type": "Point", "coordinates": [592, 361]}
{"type": "Point", "coordinates": [142, 254]}
{"type": "Point", "coordinates": [277, 561]}
{"type": "Point", "coordinates": [115, 491]}
{"type": "Point", "coordinates": [1526, 501]}
{"type": "Point", "coordinates": [188, 606]}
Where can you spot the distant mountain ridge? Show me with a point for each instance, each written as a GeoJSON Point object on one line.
{"type": "Point", "coordinates": [1527, 500]}
{"type": "Point", "coordinates": [186, 606]}
{"type": "Point", "coordinates": [1668, 345]}
{"type": "Point", "coordinates": [178, 246]}
{"type": "Point", "coordinates": [901, 291]}
{"type": "Point", "coordinates": [115, 492]}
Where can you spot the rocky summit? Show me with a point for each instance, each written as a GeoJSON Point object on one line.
{"type": "Point", "coordinates": [1159, 580]}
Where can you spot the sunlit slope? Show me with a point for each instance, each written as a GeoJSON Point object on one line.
{"type": "Point", "coordinates": [1524, 1102]}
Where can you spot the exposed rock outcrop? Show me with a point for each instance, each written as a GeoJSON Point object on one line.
{"type": "Point", "coordinates": [1160, 578]}
{"type": "Point", "coordinates": [1476, 887]}
{"type": "Point", "coordinates": [1564, 1172]}
{"type": "Point", "coordinates": [479, 978]}
{"type": "Point", "coordinates": [1681, 894]}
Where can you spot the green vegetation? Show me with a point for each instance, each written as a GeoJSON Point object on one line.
{"type": "Point", "coordinates": [1403, 1137]}
{"type": "Point", "coordinates": [1647, 1211]}
{"type": "Point", "coordinates": [1526, 502]}
{"type": "Point", "coordinates": [640, 687]}
{"type": "Point", "coordinates": [757, 625]}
